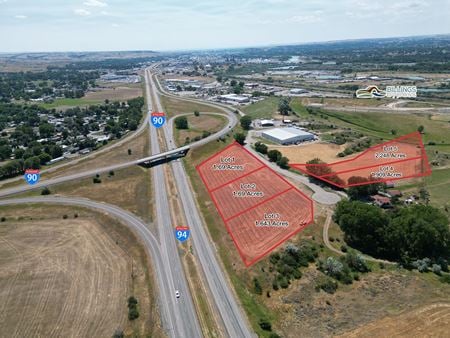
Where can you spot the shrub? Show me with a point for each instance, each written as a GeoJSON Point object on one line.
{"type": "Point", "coordinates": [284, 283]}
{"type": "Point", "coordinates": [445, 279]}
{"type": "Point", "coordinates": [133, 313]}
{"type": "Point", "coordinates": [265, 325]}
{"type": "Point", "coordinates": [3, 219]}
{"type": "Point", "coordinates": [132, 301]}
{"type": "Point", "coordinates": [118, 334]}
{"type": "Point", "coordinates": [328, 285]}
{"type": "Point", "coordinates": [181, 122]}
{"type": "Point", "coordinates": [65, 216]}
{"type": "Point", "coordinates": [436, 268]}
{"type": "Point", "coordinates": [196, 113]}
{"type": "Point", "coordinates": [257, 286]}
{"type": "Point", "coordinates": [75, 216]}
{"type": "Point", "coordinates": [96, 180]}
{"type": "Point", "coordinates": [275, 284]}
{"type": "Point", "coordinates": [111, 173]}
{"type": "Point", "coordinates": [45, 191]}
{"type": "Point", "coordinates": [422, 265]}
{"type": "Point", "coordinates": [356, 262]}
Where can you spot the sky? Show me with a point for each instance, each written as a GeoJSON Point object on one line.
{"type": "Point", "coordinates": [106, 25]}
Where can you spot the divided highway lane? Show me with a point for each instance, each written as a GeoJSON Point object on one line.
{"type": "Point", "coordinates": [232, 316]}
{"type": "Point", "coordinates": [166, 307]}
{"type": "Point", "coordinates": [76, 176]}
{"type": "Point", "coordinates": [186, 320]}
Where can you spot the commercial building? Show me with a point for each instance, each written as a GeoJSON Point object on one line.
{"type": "Point", "coordinates": [234, 98]}
{"type": "Point", "coordinates": [288, 135]}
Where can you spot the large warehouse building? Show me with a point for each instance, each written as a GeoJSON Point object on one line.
{"type": "Point", "coordinates": [286, 136]}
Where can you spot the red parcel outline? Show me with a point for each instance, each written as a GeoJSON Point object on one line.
{"type": "Point", "coordinates": [268, 200]}
{"type": "Point", "coordinates": [303, 166]}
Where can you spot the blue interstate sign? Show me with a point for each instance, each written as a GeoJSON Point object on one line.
{"type": "Point", "coordinates": [182, 233]}
{"type": "Point", "coordinates": [158, 119]}
{"type": "Point", "coordinates": [32, 176]}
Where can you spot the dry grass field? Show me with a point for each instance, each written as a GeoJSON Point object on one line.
{"type": "Point", "coordinates": [138, 146]}
{"type": "Point", "coordinates": [128, 188]}
{"type": "Point", "coordinates": [117, 92]}
{"type": "Point", "coordinates": [428, 321]}
{"type": "Point", "coordinates": [173, 106]}
{"type": "Point", "coordinates": [198, 124]}
{"type": "Point", "coordinates": [71, 277]}
{"type": "Point", "coordinates": [302, 153]}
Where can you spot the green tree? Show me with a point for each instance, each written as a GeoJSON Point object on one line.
{"type": "Point", "coordinates": [363, 190]}
{"type": "Point", "coordinates": [246, 122]}
{"type": "Point", "coordinates": [418, 232]}
{"type": "Point", "coordinates": [283, 162]}
{"type": "Point", "coordinates": [274, 155]}
{"type": "Point", "coordinates": [46, 130]}
{"type": "Point", "coordinates": [420, 129]}
{"type": "Point", "coordinates": [196, 113]}
{"type": "Point", "coordinates": [44, 158]}
{"type": "Point", "coordinates": [261, 148]}
{"type": "Point", "coordinates": [284, 107]}
{"type": "Point", "coordinates": [181, 122]}
{"type": "Point", "coordinates": [363, 224]}
{"type": "Point", "coordinates": [240, 138]}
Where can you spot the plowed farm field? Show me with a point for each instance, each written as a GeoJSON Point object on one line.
{"type": "Point", "coordinates": [64, 277]}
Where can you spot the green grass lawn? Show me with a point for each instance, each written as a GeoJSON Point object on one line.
{"type": "Point", "coordinates": [70, 103]}
{"type": "Point", "coordinates": [381, 124]}
{"type": "Point", "coordinates": [262, 109]}
{"type": "Point", "coordinates": [438, 185]}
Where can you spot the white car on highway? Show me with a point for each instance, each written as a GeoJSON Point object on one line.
{"type": "Point", "coordinates": [177, 294]}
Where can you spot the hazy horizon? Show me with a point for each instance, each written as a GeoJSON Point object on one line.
{"type": "Point", "coordinates": [173, 25]}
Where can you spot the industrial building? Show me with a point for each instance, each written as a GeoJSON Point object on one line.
{"type": "Point", "coordinates": [234, 98]}
{"type": "Point", "coordinates": [288, 135]}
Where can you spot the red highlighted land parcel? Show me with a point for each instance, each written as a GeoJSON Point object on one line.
{"type": "Point", "coordinates": [401, 158]}
{"type": "Point", "coordinates": [260, 209]}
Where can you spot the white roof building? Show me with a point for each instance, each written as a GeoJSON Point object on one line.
{"type": "Point", "coordinates": [288, 135]}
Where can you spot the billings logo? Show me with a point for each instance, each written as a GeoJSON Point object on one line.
{"type": "Point", "coordinates": [393, 92]}
{"type": "Point", "coordinates": [370, 93]}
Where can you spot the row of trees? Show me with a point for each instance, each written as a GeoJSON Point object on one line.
{"type": "Point", "coordinates": [403, 235]}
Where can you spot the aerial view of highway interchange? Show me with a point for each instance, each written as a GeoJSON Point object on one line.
{"type": "Point", "coordinates": [231, 169]}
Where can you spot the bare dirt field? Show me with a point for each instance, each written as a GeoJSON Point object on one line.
{"type": "Point", "coordinates": [119, 92]}
{"type": "Point", "coordinates": [327, 152]}
{"type": "Point", "coordinates": [71, 277]}
{"type": "Point", "coordinates": [428, 321]}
